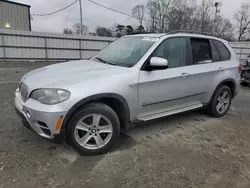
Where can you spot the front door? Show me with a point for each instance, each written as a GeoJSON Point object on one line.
{"type": "Point", "coordinates": [170, 89]}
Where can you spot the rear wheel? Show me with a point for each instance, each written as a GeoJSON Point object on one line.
{"type": "Point", "coordinates": [221, 101]}
{"type": "Point", "coordinates": [95, 129]}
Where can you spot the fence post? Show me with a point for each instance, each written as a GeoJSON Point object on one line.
{"type": "Point", "coordinates": [46, 51]}
{"type": "Point", "coordinates": [4, 52]}
{"type": "Point", "coordinates": [80, 48]}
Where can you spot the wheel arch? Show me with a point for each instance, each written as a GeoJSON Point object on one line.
{"type": "Point", "coordinates": [228, 82]}
{"type": "Point", "coordinates": [231, 84]}
{"type": "Point", "coordinates": [115, 101]}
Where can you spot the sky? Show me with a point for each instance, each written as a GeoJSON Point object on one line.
{"type": "Point", "coordinates": [94, 15]}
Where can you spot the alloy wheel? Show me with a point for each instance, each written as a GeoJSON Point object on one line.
{"type": "Point", "coordinates": [223, 102]}
{"type": "Point", "coordinates": [93, 131]}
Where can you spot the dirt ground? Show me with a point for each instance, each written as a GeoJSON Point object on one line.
{"type": "Point", "coordinates": [187, 150]}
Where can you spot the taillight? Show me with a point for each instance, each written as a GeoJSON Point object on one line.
{"type": "Point", "coordinates": [240, 68]}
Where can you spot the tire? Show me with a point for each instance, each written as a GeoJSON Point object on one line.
{"type": "Point", "coordinates": [215, 110]}
{"type": "Point", "coordinates": [85, 128]}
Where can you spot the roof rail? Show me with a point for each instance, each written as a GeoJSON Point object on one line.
{"type": "Point", "coordinates": [192, 32]}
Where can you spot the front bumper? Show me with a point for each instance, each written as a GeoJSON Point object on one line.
{"type": "Point", "coordinates": [35, 118]}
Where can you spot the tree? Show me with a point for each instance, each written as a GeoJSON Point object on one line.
{"type": "Point", "coordinates": [129, 30]}
{"type": "Point", "coordinates": [158, 13]}
{"type": "Point", "coordinates": [206, 12]}
{"type": "Point", "coordinates": [140, 29]}
{"type": "Point", "coordinates": [182, 16]}
{"type": "Point", "coordinates": [152, 13]}
{"type": "Point", "coordinates": [120, 30]}
{"type": "Point", "coordinates": [92, 34]}
{"type": "Point", "coordinates": [224, 28]}
{"type": "Point", "coordinates": [242, 18]}
{"type": "Point", "coordinates": [77, 29]}
{"type": "Point", "coordinates": [163, 8]}
{"type": "Point", "coordinates": [138, 13]}
{"type": "Point", "coordinates": [102, 31]}
{"type": "Point", "coordinates": [67, 31]}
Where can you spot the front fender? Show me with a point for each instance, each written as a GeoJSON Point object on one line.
{"type": "Point", "coordinates": [96, 97]}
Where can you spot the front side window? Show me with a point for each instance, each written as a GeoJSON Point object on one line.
{"type": "Point", "coordinates": [224, 52]}
{"type": "Point", "coordinates": [201, 51]}
{"type": "Point", "coordinates": [126, 51]}
{"type": "Point", "coordinates": [174, 50]}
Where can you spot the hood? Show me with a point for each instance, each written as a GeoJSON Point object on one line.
{"type": "Point", "coordinates": [62, 74]}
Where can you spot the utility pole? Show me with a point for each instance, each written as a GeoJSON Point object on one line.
{"type": "Point", "coordinates": [80, 3]}
{"type": "Point", "coordinates": [216, 15]}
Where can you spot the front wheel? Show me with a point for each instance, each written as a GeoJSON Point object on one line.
{"type": "Point", "coordinates": [94, 129]}
{"type": "Point", "coordinates": [221, 101]}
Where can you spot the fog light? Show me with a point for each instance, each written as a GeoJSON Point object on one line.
{"type": "Point", "coordinates": [28, 113]}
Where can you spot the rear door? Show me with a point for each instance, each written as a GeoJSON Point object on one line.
{"type": "Point", "coordinates": [205, 68]}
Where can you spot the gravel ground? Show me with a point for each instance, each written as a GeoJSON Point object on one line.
{"type": "Point", "coordinates": [188, 150]}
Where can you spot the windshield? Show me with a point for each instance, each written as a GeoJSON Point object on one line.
{"type": "Point", "coordinates": [126, 51]}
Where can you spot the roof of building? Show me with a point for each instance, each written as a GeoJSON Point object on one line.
{"type": "Point", "coordinates": [11, 2]}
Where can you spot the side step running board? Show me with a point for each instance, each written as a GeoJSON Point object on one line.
{"type": "Point", "coordinates": [170, 112]}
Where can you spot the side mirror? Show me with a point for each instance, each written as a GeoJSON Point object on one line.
{"type": "Point", "coordinates": [158, 63]}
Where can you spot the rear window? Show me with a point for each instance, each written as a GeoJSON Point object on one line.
{"type": "Point", "coordinates": [223, 51]}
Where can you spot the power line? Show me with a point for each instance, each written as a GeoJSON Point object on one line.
{"type": "Point", "coordinates": [114, 10]}
{"type": "Point", "coordinates": [48, 14]}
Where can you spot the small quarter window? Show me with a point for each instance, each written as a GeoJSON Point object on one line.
{"type": "Point", "coordinates": [224, 52]}
{"type": "Point", "coordinates": [201, 51]}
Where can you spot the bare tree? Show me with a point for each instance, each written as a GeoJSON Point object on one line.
{"type": "Point", "coordinates": [138, 13]}
{"type": "Point", "coordinates": [182, 16]}
{"type": "Point", "coordinates": [224, 28]}
{"type": "Point", "coordinates": [206, 11]}
{"type": "Point", "coordinates": [77, 29]}
{"type": "Point", "coordinates": [243, 20]}
{"type": "Point", "coordinates": [67, 31]}
{"type": "Point", "coordinates": [162, 14]}
{"type": "Point", "coordinates": [152, 13]}
{"type": "Point", "coordinates": [167, 15]}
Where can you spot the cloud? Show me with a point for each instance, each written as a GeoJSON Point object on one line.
{"type": "Point", "coordinates": [94, 15]}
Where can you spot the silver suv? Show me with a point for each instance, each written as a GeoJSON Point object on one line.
{"type": "Point", "coordinates": [88, 103]}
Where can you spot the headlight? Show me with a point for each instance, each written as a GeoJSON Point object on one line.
{"type": "Point", "coordinates": [50, 96]}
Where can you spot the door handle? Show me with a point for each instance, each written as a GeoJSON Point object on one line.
{"type": "Point", "coordinates": [221, 68]}
{"type": "Point", "coordinates": [184, 75]}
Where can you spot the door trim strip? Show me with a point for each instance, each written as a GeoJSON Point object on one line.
{"type": "Point", "coordinates": [149, 104]}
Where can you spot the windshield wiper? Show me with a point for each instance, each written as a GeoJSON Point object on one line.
{"type": "Point", "coordinates": [104, 61]}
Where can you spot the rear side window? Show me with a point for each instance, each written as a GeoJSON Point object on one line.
{"type": "Point", "coordinates": [224, 52]}
{"type": "Point", "coordinates": [201, 51]}
{"type": "Point", "coordinates": [215, 53]}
